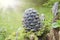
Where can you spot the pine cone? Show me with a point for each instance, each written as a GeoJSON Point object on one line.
{"type": "Point", "coordinates": [31, 20]}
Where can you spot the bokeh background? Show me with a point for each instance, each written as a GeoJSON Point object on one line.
{"type": "Point", "coordinates": [11, 18]}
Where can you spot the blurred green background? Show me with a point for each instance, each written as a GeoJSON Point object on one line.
{"type": "Point", "coordinates": [11, 20]}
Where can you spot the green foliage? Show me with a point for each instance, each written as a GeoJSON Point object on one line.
{"type": "Point", "coordinates": [56, 24]}
{"type": "Point", "coordinates": [3, 33]}
{"type": "Point", "coordinates": [23, 35]}
{"type": "Point", "coordinates": [20, 36]}
{"type": "Point", "coordinates": [11, 20]}
{"type": "Point", "coordinates": [50, 3]}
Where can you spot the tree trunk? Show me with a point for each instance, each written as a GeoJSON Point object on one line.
{"type": "Point", "coordinates": [54, 34]}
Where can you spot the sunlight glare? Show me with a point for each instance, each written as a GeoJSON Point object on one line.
{"type": "Point", "coordinates": [9, 3]}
